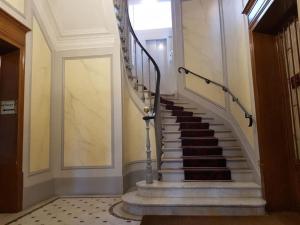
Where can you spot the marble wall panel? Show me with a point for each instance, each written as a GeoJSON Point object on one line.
{"type": "Point", "coordinates": [40, 101]}
{"type": "Point", "coordinates": [87, 112]}
{"type": "Point", "coordinates": [17, 4]}
{"type": "Point", "coordinates": [238, 61]}
{"type": "Point", "coordinates": [203, 46]}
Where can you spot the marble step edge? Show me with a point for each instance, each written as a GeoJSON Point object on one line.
{"type": "Point", "coordinates": [196, 130]}
{"type": "Point", "coordinates": [175, 117]}
{"type": "Point", "coordinates": [201, 138]}
{"type": "Point", "coordinates": [198, 185]}
{"type": "Point", "coordinates": [133, 198]}
{"type": "Point", "coordinates": [185, 109]}
{"type": "Point", "coordinates": [229, 159]}
{"type": "Point", "coordinates": [237, 148]}
{"type": "Point", "coordinates": [178, 124]}
{"type": "Point", "coordinates": [181, 171]}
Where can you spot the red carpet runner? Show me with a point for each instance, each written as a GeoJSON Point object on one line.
{"type": "Point", "coordinates": [202, 156]}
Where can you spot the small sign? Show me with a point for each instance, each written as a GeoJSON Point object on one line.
{"type": "Point", "coordinates": [8, 107]}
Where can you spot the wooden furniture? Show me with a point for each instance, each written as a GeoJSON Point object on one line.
{"type": "Point", "coordinates": [12, 51]}
{"type": "Point", "coordinates": [280, 166]}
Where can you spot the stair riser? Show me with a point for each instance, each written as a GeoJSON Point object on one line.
{"type": "Point", "coordinates": [226, 153]}
{"type": "Point", "coordinates": [177, 135]}
{"type": "Point", "coordinates": [174, 120]}
{"type": "Point", "coordinates": [230, 164]}
{"type": "Point", "coordinates": [177, 144]}
{"type": "Point", "coordinates": [200, 192]}
{"type": "Point", "coordinates": [235, 176]}
{"type": "Point", "coordinates": [196, 210]}
{"type": "Point", "coordinates": [175, 127]}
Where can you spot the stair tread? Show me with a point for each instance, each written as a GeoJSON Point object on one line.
{"type": "Point", "coordinates": [200, 138]}
{"type": "Point", "coordinates": [196, 130]}
{"type": "Point", "coordinates": [203, 157]}
{"type": "Point", "coordinates": [180, 149]}
{"type": "Point", "coordinates": [177, 124]}
{"type": "Point", "coordinates": [170, 170]}
{"type": "Point", "coordinates": [133, 198]}
{"type": "Point", "coordinates": [199, 184]}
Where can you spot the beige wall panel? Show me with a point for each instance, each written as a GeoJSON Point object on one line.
{"type": "Point", "coordinates": [202, 46]}
{"type": "Point", "coordinates": [17, 4]}
{"type": "Point", "coordinates": [87, 112]}
{"type": "Point", "coordinates": [238, 61]}
{"type": "Point", "coordinates": [40, 101]}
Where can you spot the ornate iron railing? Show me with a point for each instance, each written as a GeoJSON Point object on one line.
{"type": "Point", "coordinates": [144, 72]}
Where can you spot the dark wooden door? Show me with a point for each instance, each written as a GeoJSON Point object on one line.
{"type": "Point", "coordinates": [12, 49]}
{"type": "Point", "coordinates": [275, 63]}
{"type": "Point", "coordinates": [11, 183]}
{"type": "Point", "coordinates": [288, 51]}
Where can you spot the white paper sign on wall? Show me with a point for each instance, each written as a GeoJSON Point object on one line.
{"type": "Point", "coordinates": [8, 107]}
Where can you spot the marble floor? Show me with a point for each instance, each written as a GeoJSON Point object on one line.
{"type": "Point", "coordinates": [70, 211]}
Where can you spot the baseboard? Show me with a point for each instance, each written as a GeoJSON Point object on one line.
{"type": "Point", "coordinates": [88, 186]}
{"type": "Point", "coordinates": [38, 193]}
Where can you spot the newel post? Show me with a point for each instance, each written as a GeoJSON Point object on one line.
{"type": "Point", "coordinates": [149, 173]}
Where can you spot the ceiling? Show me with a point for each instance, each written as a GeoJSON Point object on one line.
{"type": "Point", "coordinates": [79, 17]}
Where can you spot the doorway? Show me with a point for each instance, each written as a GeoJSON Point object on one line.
{"type": "Point", "coordinates": [12, 45]}
{"type": "Point", "coordinates": [159, 50]}
{"type": "Point", "coordinates": [10, 175]}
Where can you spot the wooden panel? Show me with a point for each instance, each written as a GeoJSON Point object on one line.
{"type": "Point", "coordinates": [266, 16]}
{"type": "Point", "coordinates": [274, 149]}
{"type": "Point", "coordinates": [11, 30]}
{"type": "Point", "coordinates": [10, 173]}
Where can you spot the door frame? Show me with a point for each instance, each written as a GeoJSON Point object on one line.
{"type": "Point", "coordinates": [14, 32]}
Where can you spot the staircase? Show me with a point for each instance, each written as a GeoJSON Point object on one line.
{"type": "Point", "coordinates": [204, 171]}
{"type": "Point", "coordinates": [201, 166]}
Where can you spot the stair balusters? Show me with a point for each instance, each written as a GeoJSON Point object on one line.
{"type": "Point", "coordinates": [131, 47]}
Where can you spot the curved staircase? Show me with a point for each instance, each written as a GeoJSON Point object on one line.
{"type": "Point", "coordinates": [201, 166]}
{"type": "Point", "coordinates": [204, 171]}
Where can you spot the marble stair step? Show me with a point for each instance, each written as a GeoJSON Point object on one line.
{"type": "Point", "coordinates": [178, 134]}
{"type": "Point", "coordinates": [231, 162]}
{"type": "Point", "coordinates": [139, 205]}
{"type": "Point", "coordinates": [176, 126]}
{"type": "Point", "coordinates": [173, 119]}
{"type": "Point", "coordinates": [177, 175]}
{"type": "Point", "coordinates": [177, 143]}
{"type": "Point", "coordinates": [199, 189]}
{"type": "Point", "coordinates": [231, 151]}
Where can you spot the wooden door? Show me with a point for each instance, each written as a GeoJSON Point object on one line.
{"type": "Point", "coordinates": [10, 173]}
{"type": "Point", "coordinates": [273, 69]}
{"type": "Point", "coordinates": [12, 45]}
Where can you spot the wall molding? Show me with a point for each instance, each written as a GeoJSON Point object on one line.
{"type": "Point", "coordinates": [112, 137]}
{"type": "Point", "coordinates": [46, 170]}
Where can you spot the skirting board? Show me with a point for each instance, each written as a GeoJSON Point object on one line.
{"type": "Point", "coordinates": [88, 186]}
{"type": "Point", "coordinates": [37, 193]}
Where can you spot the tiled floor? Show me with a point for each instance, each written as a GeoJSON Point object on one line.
{"type": "Point", "coordinates": [74, 211]}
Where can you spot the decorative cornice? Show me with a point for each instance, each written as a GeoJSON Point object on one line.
{"type": "Point", "coordinates": [74, 39]}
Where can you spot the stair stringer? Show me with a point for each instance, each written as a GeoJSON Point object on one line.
{"type": "Point", "coordinates": [221, 113]}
